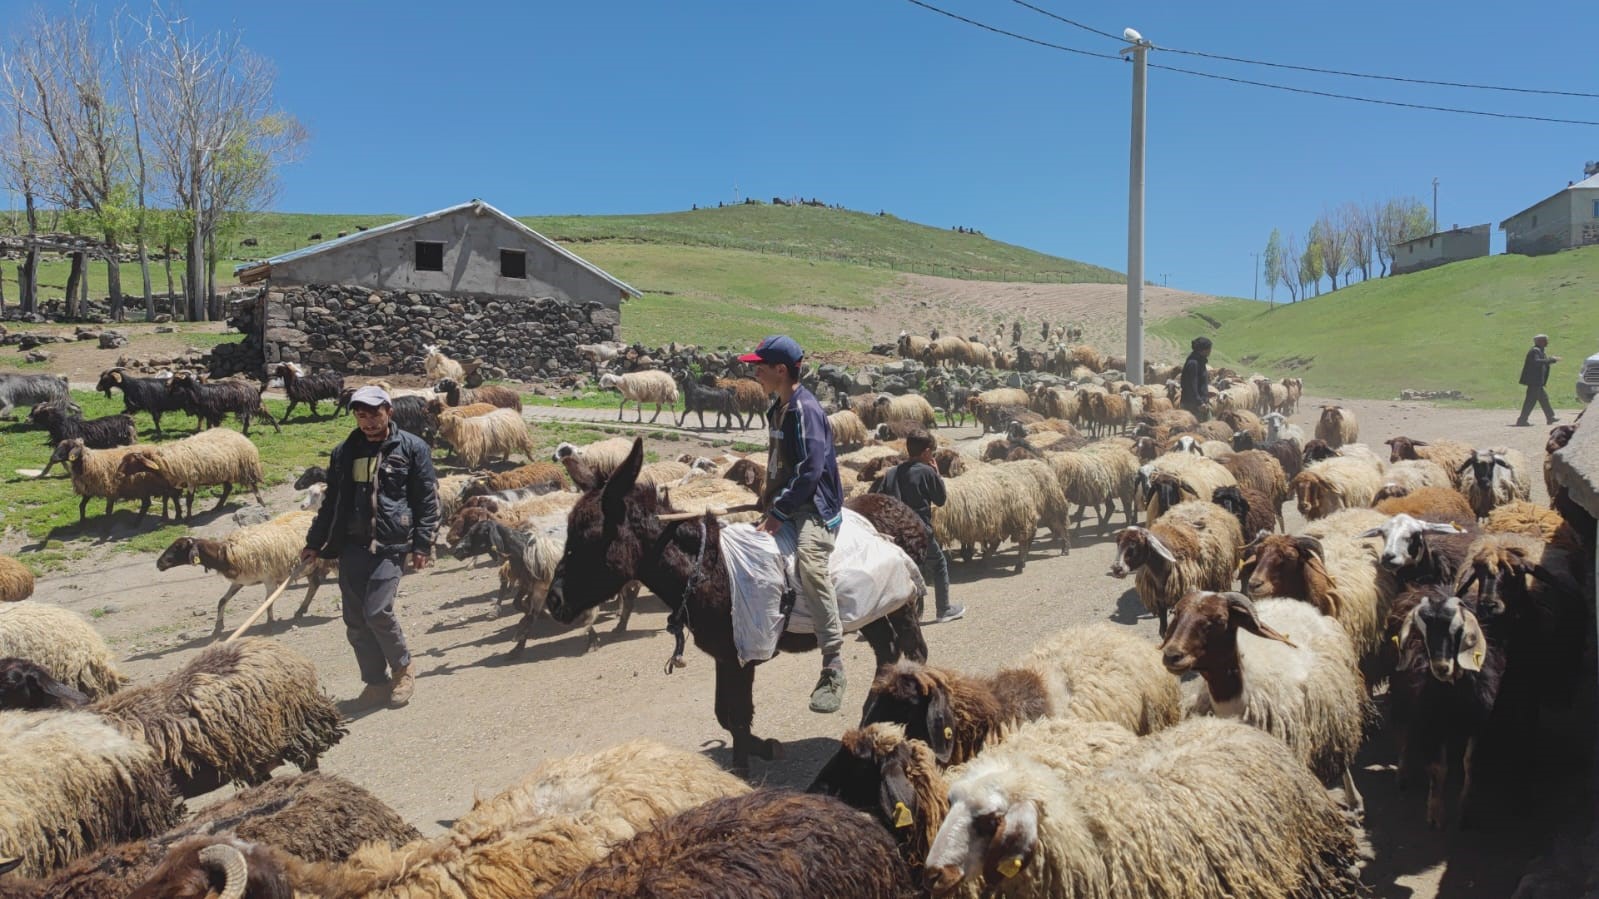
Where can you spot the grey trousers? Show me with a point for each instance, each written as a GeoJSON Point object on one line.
{"type": "Point", "coordinates": [368, 583]}
{"type": "Point", "coordinates": [814, 547]}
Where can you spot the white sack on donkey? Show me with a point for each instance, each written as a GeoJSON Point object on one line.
{"type": "Point", "coordinates": [871, 578]}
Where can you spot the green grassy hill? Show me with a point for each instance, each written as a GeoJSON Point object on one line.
{"type": "Point", "coordinates": [710, 276]}
{"type": "Point", "coordinates": [1464, 326]}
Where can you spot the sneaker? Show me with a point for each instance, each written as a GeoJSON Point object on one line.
{"type": "Point", "coordinates": [953, 613]}
{"type": "Point", "coordinates": [829, 692]}
{"type": "Point", "coordinates": [372, 695]}
{"type": "Point", "coordinates": [404, 685]}
{"type": "Point", "coordinates": [1522, 424]}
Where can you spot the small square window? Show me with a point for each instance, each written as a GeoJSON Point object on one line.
{"type": "Point", "coordinates": [513, 264]}
{"type": "Point", "coordinates": [429, 256]}
{"type": "Point", "coordinates": [1596, 209]}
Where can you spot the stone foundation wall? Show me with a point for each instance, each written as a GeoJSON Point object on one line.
{"type": "Point", "coordinates": [360, 331]}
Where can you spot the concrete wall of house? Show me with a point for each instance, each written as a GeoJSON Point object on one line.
{"type": "Point", "coordinates": [472, 244]}
{"type": "Point", "coordinates": [1453, 245]}
{"type": "Point", "coordinates": [1559, 223]}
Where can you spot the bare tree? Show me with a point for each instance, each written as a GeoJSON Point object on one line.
{"type": "Point", "coordinates": [24, 171]}
{"type": "Point", "coordinates": [1357, 234]}
{"type": "Point", "coordinates": [1288, 266]}
{"type": "Point", "coordinates": [1332, 245]}
{"type": "Point", "coordinates": [216, 134]}
{"type": "Point", "coordinates": [129, 58]}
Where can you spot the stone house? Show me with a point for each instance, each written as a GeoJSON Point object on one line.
{"type": "Point", "coordinates": [1568, 219]}
{"type": "Point", "coordinates": [469, 278]}
{"type": "Point", "coordinates": [1441, 249]}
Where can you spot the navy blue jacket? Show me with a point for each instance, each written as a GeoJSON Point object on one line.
{"type": "Point", "coordinates": [804, 469]}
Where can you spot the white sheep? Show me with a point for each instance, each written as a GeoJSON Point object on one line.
{"type": "Point", "coordinates": [1413, 474]}
{"type": "Point", "coordinates": [262, 554]}
{"type": "Point", "coordinates": [97, 474]}
{"type": "Point", "coordinates": [61, 642]}
{"type": "Point", "coordinates": [1495, 477]}
{"type": "Point", "coordinates": [642, 387]}
{"type": "Point", "coordinates": [438, 366]}
{"type": "Point", "coordinates": [477, 440]}
{"type": "Point", "coordinates": [1206, 808]}
{"type": "Point", "coordinates": [848, 429]}
{"type": "Point", "coordinates": [1337, 573]}
{"type": "Point", "coordinates": [1281, 666]}
{"type": "Point", "coordinates": [984, 509]}
{"type": "Point", "coordinates": [1278, 428]}
{"type": "Point", "coordinates": [1176, 477]}
{"type": "Point", "coordinates": [885, 407]}
{"type": "Point", "coordinates": [602, 457]}
{"type": "Point", "coordinates": [1325, 487]}
{"type": "Point", "coordinates": [210, 458]}
{"type": "Point", "coordinates": [1194, 546]}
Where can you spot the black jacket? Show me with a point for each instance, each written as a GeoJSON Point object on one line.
{"type": "Point", "coordinates": [1195, 382]}
{"type": "Point", "coordinates": [405, 498]}
{"type": "Point", "coordinates": [916, 485]}
{"type": "Point", "coordinates": [1535, 371]}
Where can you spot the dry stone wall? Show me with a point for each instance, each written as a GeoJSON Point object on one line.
{"type": "Point", "coordinates": [361, 331]}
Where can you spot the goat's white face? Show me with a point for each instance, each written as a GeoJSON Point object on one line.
{"type": "Point", "coordinates": [1404, 539]}
{"type": "Point", "coordinates": [985, 827]}
{"type": "Point", "coordinates": [313, 496]}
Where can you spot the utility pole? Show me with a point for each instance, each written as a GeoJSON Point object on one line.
{"type": "Point", "coordinates": [1435, 205]}
{"type": "Point", "coordinates": [1135, 211]}
{"type": "Point", "coordinates": [1257, 275]}
{"type": "Point", "coordinates": [1163, 277]}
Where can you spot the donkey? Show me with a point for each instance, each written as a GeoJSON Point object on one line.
{"type": "Point", "coordinates": [615, 536]}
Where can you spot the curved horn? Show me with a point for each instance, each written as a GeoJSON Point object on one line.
{"type": "Point", "coordinates": [230, 862]}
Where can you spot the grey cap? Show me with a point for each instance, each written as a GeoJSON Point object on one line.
{"type": "Point", "coordinates": [370, 395]}
{"type": "Point", "coordinates": [1540, 337]}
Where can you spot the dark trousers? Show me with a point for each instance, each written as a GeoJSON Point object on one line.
{"type": "Point", "coordinates": [936, 569]}
{"type": "Point", "coordinates": [1536, 394]}
{"type": "Point", "coordinates": [368, 583]}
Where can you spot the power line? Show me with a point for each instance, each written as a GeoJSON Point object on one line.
{"type": "Point", "coordinates": [1073, 22]}
{"type": "Point", "coordinates": [1279, 87]}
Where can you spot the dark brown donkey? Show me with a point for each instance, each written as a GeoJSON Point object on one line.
{"type": "Point", "coordinates": [614, 536]}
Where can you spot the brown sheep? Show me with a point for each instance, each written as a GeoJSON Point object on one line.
{"type": "Point", "coordinates": [1428, 504]}
{"type": "Point", "coordinates": [1261, 472]}
{"type": "Point", "coordinates": [1449, 454]}
{"type": "Point", "coordinates": [1246, 421]}
{"type": "Point", "coordinates": [1337, 426]}
{"type": "Point", "coordinates": [749, 398]}
{"type": "Point", "coordinates": [1253, 511]}
{"type": "Point", "coordinates": [541, 476]}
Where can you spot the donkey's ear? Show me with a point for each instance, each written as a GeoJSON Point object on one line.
{"type": "Point", "coordinates": [620, 484]}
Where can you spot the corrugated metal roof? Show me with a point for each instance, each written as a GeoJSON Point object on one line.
{"type": "Point", "coordinates": [256, 268]}
{"type": "Point", "coordinates": [1589, 183]}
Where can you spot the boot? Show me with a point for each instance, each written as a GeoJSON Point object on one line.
{"type": "Point", "coordinates": [372, 695]}
{"type": "Point", "coordinates": [403, 685]}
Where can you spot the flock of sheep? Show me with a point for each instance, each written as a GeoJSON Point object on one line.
{"type": "Point", "coordinates": [1092, 765]}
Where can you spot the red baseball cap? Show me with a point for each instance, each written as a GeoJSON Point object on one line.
{"type": "Point", "coordinates": [775, 349]}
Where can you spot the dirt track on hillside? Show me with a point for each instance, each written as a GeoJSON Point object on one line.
{"type": "Point", "coordinates": [480, 720]}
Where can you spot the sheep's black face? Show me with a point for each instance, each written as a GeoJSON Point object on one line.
{"type": "Point", "coordinates": [181, 552]}
{"type": "Point", "coordinates": [476, 542]}
{"type": "Point", "coordinates": [26, 686]}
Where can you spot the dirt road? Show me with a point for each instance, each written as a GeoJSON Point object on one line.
{"type": "Point", "coordinates": [480, 720]}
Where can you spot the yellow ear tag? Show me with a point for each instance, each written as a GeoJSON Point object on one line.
{"type": "Point", "coordinates": [1010, 866]}
{"type": "Point", "coordinates": [194, 558]}
{"type": "Point", "coordinates": [949, 733]}
{"type": "Point", "coordinates": [1477, 657]}
{"type": "Point", "coordinates": [1395, 638]}
{"type": "Point", "coordinates": [902, 815]}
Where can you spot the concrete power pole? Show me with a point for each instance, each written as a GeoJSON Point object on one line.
{"type": "Point", "coordinates": [1435, 205]}
{"type": "Point", "coordinates": [1257, 275]}
{"type": "Point", "coordinates": [1135, 211]}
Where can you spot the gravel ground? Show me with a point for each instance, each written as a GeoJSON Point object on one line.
{"type": "Point", "coordinates": [480, 720]}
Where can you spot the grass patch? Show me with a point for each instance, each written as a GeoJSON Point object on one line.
{"type": "Point", "coordinates": [1464, 326]}
{"type": "Point", "coordinates": [587, 399]}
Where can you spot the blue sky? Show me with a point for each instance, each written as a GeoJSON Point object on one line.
{"type": "Point", "coordinates": [610, 106]}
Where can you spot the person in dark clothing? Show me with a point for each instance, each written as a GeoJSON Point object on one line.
{"type": "Point", "coordinates": [1196, 379]}
{"type": "Point", "coordinates": [381, 507]}
{"type": "Point", "coordinates": [915, 482]}
{"type": "Point", "coordinates": [1534, 375]}
{"type": "Point", "coordinates": [803, 492]}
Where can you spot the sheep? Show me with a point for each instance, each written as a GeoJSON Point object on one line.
{"type": "Point", "coordinates": [848, 429]}
{"type": "Point", "coordinates": [16, 580]}
{"type": "Point", "coordinates": [1447, 454]}
{"type": "Point", "coordinates": [1108, 412]}
{"type": "Point", "coordinates": [18, 390]}
{"type": "Point", "coordinates": [1195, 546]}
{"type": "Point", "coordinates": [1038, 478]}
{"type": "Point", "coordinates": [499, 397]}
{"type": "Point", "coordinates": [1319, 450]}
{"type": "Point", "coordinates": [1093, 672]}
{"type": "Point", "coordinates": [911, 346]}
{"type": "Point", "coordinates": [141, 394]}
{"type": "Point", "coordinates": [771, 844]}
{"type": "Point", "coordinates": [699, 398]}
{"type": "Point", "coordinates": [1084, 355]}
{"type": "Point", "coordinates": [205, 459]}
{"type": "Point", "coordinates": [1486, 486]}
{"type": "Point", "coordinates": [1415, 474]}
{"type": "Point", "coordinates": [896, 430]}
{"type": "Point", "coordinates": [947, 349]}
{"type": "Point", "coordinates": [412, 415]}
{"type": "Point", "coordinates": [859, 459]}
{"type": "Point", "coordinates": [701, 494]}
{"type": "Point", "coordinates": [1335, 574]}
{"type": "Point", "coordinates": [538, 476]}
{"type": "Point", "coordinates": [1443, 691]}
{"type": "Point", "coordinates": [952, 398]}
{"type": "Point", "coordinates": [602, 457]}
{"type": "Point", "coordinates": [212, 401]}
{"type": "Point", "coordinates": [315, 816]}
{"type": "Point", "coordinates": [1206, 808]}
{"type": "Point", "coordinates": [1253, 511]}
{"type": "Point", "coordinates": [1430, 503]}
{"type": "Point", "coordinates": [70, 783]}
{"type": "Point", "coordinates": [910, 407]}
{"type": "Point", "coordinates": [1096, 476]}
{"type": "Point", "coordinates": [1175, 474]}
{"type": "Point", "coordinates": [982, 508]}
{"type": "Point", "coordinates": [602, 353]}
{"type": "Point", "coordinates": [1054, 402]}
{"type": "Point", "coordinates": [750, 399]}
{"type": "Point", "coordinates": [1261, 472]}
{"type": "Point", "coordinates": [642, 387]}
{"type": "Point", "coordinates": [1329, 485]}
{"type": "Point", "coordinates": [451, 490]}
{"type": "Point", "coordinates": [1529, 520]}
{"type": "Point", "coordinates": [476, 440]}
{"type": "Point", "coordinates": [26, 686]}
{"type": "Point", "coordinates": [523, 842]}
{"type": "Point", "coordinates": [97, 474]}
{"type": "Point", "coordinates": [62, 642]}
{"type": "Point", "coordinates": [1338, 426]}
{"type": "Point", "coordinates": [231, 714]}
{"type": "Point", "coordinates": [1559, 436]}
{"type": "Point", "coordinates": [438, 366]}
{"type": "Point", "coordinates": [1246, 421]}
{"type": "Point", "coordinates": [67, 423]}
{"type": "Point", "coordinates": [438, 409]}
{"type": "Point", "coordinates": [264, 554]}
{"type": "Point", "coordinates": [1273, 395]}
{"type": "Point", "coordinates": [666, 471]}
{"type": "Point", "coordinates": [309, 389]}
{"type": "Point", "coordinates": [1421, 552]}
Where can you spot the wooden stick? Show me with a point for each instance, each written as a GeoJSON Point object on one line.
{"type": "Point", "coordinates": [298, 567]}
{"type": "Point", "coordinates": [689, 516]}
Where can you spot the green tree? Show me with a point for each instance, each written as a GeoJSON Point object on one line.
{"type": "Point", "coordinates": [1274, 264]}
{"type": "Point", "coordinates": [1312, 265]}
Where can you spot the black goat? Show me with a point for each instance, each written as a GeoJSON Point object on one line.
{"type": "Point", "coordinates": [24, 686]}
{"type": "Point", "coordinates": [699, 399]}
{"type": "Point", "coordinates": [65, 421]}
{"type": "Point", "coordinates": [1252, 510]}
{"type": "Point", "coordinates": [952, 398]}
{"type": "Point", "coordinates": [1443, 691]}
{"type": "Point", "coordinates": [316, 474]}
{"type": "Point", "coordinates": [212, 402]}
{"type": "Point", "coordinates": [411, 414]}
{"type": "Point", "coordinates": [143, 395]}
{"type": "Point", "coordinates": [309, 389]}
{"type": "Point", "coordinates": [1286, 452]}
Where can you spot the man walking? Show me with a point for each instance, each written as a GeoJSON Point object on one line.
{"type": "Point", "coordinates": [382, 505]}
{"type": "Point", "coordinates": [803, 493]}
{"type": "Point", "coordinates": [1196, 379]}
{"type": "Point", "coordinates": [1534, 375]}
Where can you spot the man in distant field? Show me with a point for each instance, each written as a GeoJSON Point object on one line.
{"type": "Point", "coordinates": [1196, 378]}
{"type": "Point", "coordinates": [1534, 375]}
{"type": "Point", "coordinates": [381, 509]}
